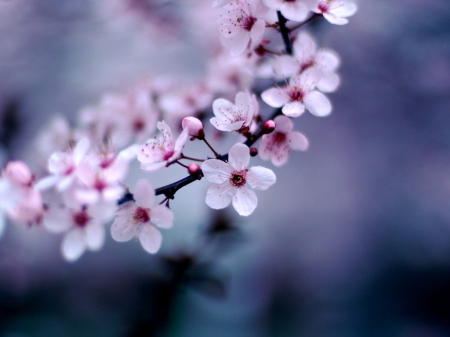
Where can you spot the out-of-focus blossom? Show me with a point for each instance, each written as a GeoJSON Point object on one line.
{"type": "Point", "coordinates": [336, 11]}
{"type": "Point", "coordinates": [228, 75]}
{"type": "Point", "coordinates": [298, 94]}
{"type": "Point", "coordinates": [231, 181]}
{"type": "Point", "coordinates": [63, 166]}
{"type": "Point", "coordinates": [135, 219]}
{"type": "Point", "coordinates": [55, 137]}
{"type": "Point", "coordinates": [157, 152]}
{"type": "Point", "coordinates": [120, 119]}
{"type": "Point", "coordinates": [306, 55]}
{"type": "Point", "coordinates": [277, 145]}
{"type": "Point", "coordinates": [22, 200]}
{"type": "Point", "coordinates": [233, 117]}
{"type": "Point", "coordinates": [220, 3]}
{"type": "Point", "coordinates": [83, 225]}
{"type": "Point", "coordinates": [295, 10]}
{"type": "Point", "coordinates": [242, 24]}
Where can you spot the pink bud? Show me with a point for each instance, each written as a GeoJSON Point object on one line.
{"type": "Point", "coordinates": [18, 173]}
{"type": "Point", "coordinates": [194, 126]}
{"type": "Point", "coordinates": [268, 126]}
{"type": "Point", "coordinates": [194, 169]}
{"type": "Point", "coordinates": [253, 151]}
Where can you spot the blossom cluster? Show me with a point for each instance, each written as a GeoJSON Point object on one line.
{"type": "Point", "coordinates": [84, 187]}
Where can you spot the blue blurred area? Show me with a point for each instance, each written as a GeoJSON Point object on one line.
{"type": "Point", "coordinates": [353, 240]}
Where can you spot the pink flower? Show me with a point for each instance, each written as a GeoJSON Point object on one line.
{"type": "Point", "coordinates": [242, 23]}
{"type": "Point", "coordinates": [83, 227]}
{"type": "Point", "coordinates": [194, 127]}
{"type": "Point", "coordinates": [157, 152]}
{"type": "Point", "coordinates": [335, 11]}
{"type": "Point", "coordinates": [232, 179]}
{"type": "Point", "coordinates": [134, 219]}
{"type": "Point", "coordinates": [306, 56]}
{"type": "Point", "coordinates": [295, 10]}
{"type": "Point", "coordinates": [233, 117]}
{"type": "Point", "coordinates": [277, 145]}
{"type": "Point", "coordinates": [298, 94]}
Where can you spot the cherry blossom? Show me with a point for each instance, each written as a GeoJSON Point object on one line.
{"type": "Point", "coordinates": [83, 226]}
{"type": "Point", "coordinates": [194, 127]}
{"type": "Point", "coordinates": [277, 145]}
{"type": "Point", "coordinates": [63, 166]}
{"type": "Point", "coordinates": [241, 24]}
{"type": "Point", "coordinates": [233, 117]}
{"type": "Point", "coordinates": [295, 10]}
{"type": "Point", "coordinates": [335, 11]}
{"type": "Point", "coordinates": [298, 94]}
{"type": "Point", "coordinates": [306, 55]}
{"type": "Point", "coordinates": [231, 181]}
{"type": "Point", "coordinates": [134, 219]}
{"type": "Point", "coordinates": [24, 202]}
{"type": "Point", "coordinates": [157, 152]}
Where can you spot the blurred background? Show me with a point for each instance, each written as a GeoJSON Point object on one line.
{"type": "Point", "coordinates": [352, 240]}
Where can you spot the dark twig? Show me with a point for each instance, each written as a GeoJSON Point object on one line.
{"type": "Point", "coordinates": [285, 33]}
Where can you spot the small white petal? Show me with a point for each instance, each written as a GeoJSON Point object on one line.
{"type": "Point", "coordinates": [285, 66]}
{"type": "Point", "coordinates": [293, 109]}
{"type": "Point", "coordinates": [222, 125]}
{"type": "Point", "coordinates": [58, 220]}
{"type": "Point", "coordinates": [283, 124]}
{"type": "Point", "coordinates": [257, 31]}
{"type": "Point", "coordinates": [150, 238]}
{"type": "Point", "coordinates": [144, 194]}
{"type": "Point", "coordinates": [73, 245]}
{"type": "Point", "coordinates": [334, 19]}
{"type": "Point", "coordinates": [47, 182]}
{"type": "Point", "coordinates": [80, 150]}
{"type": "Point", "coordinates": [219, 196]}
{"type": "Point", "coordinates": [216, 171]}
{"type": "Point", "coordinates": [239, 156]}
{"type": "Point", "coordinates": [297, 141]}
{"type": "Point", "coordinates": [123, 228]}
{"type": "Point", "coordinates": [245, 201]}
{"type": "Point", "coordinates": [260, 178]}
{"type": "Point", "coordinates": [345, 10]}
{"type": "Point", "coordinates": [329, 82]}
{"type": "Point", "coordinates": [95, 235]}
{"type": "Point", "coordinates": [318, 104]}
{"type": "Point", "coordinates": [161, 216]}
{"type": "Point", "coordinates": [275, 97]}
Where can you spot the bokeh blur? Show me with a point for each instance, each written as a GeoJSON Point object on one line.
{"type": "Point", "coordinates": [352, 240]}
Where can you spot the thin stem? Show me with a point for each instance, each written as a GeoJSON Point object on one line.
{"type": "Point", "coordinates": [312, 17]}
{"type": "Point", "coordinates": [191, 158]}
{"type": "Point", "coordinates": [164, 200]}
{"type": "Point", "coordinates": [285, 33]}
{"type": "Point", "coordinates": [179, 163]}
{"type": "Point", "coordinates": [214, 151]}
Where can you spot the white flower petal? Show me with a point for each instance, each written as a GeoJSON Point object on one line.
{"type": "Point", "coordinates": [239, 156]}
{"type": "Point", "coordinates": [285, 66]}
{"type": "Point", "coordinates": [80, 150]}
{"type": "Point", "coordinates": [275, 97]}
{"type": "Point", "coordinates": [124, 228]}
{"type": "Point", "coordinates": [245, 201]}
{"type": "Point", "coordinates": [318, 104]}
{"type": "Point", "coordinates": [329, 82]}
{"type": "Point", "coordinates": [260, 178]}
{"type": "Point", "coordinates": [216, 171]}
{"type": "Point", "coordinates": [295, 10]}
{"type": "Point", "coordinates": [293, 109]}
{"type": "Point", "coordinates": [223, 109]}
{"type": "Point", "coordinates": [150, 238]}
{"type": "Point", "coordinates": [58, 220]}
{"type": "Point", "coordinates": [222, 125]}
{"type": "Point", "coordinates": [161, 216]}
{"type": "Point", "coordinates": [345, 10]}
{"type": "Point", "coordinates": [304, 48]}
{"type": "Point", "coordinates": [257, 31]}
{"type": "Point", "coordinates": [47, 182]}
{"type": "Point", "coordinates": [219, 196]}
{"type": "Point", "coordinates": [73, 245]}
{"type": "Point", "coordinates": [327, 60]}
{"type": "Point", "coordinates": [151, 167]}
{"type": "Point", "coordinates": [334, 19]}
{"type": "Point", "coordinates": [297, 141]}
{"type": "Point", "coordinates": [283, 124]}
{"type": "Point", "coordinates": [95, 235]}
{"type": "Point", "coordinates": [144, 194]}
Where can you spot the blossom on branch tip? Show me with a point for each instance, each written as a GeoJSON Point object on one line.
{"type": "Point", "coordinates": [194, 127]}
{"type": "Point", "coordinates": [336, 11]}
{"type": "Point", "coordinates": [159, 151]}
{"type": "Point", "coordinates": [242, 24]}
{"type": "Point", "coordinates": [139, 219]}
{"type": "Point", "coordinates": [298, 94]}
{"type": "Point", "coordinates": [232, 180]}
{"type": "Point", "coordinates": [233, 117]}
{"type": "Point", "coordinates": [277, 145]}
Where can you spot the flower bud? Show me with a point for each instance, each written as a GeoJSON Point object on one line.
{"type": "Point", "coordinates": [194, 169]}
{"type": "Point", "coordinates": [268, 126]}
{"type": "Point", "coordinates": [194, 126]}
{"type": "Point", "coordinates": [18, 173]}
{"type": "Point", "coordinates": [253, 151]}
